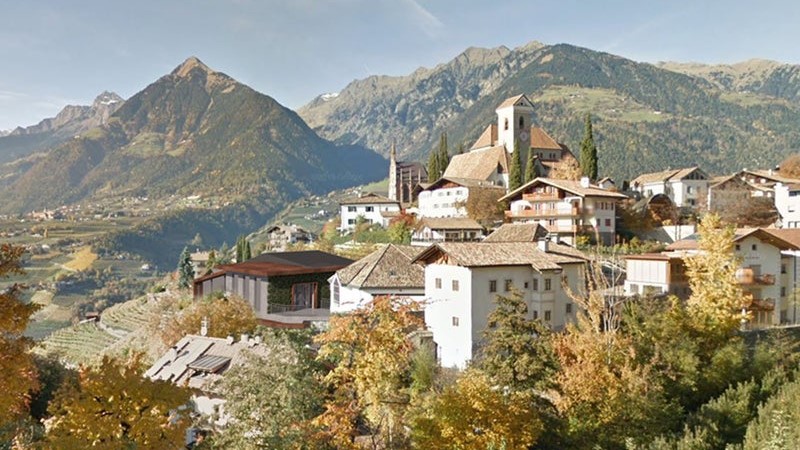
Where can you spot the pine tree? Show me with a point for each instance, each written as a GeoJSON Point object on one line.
{"type": "Point", "coordinates": [588, 151]}
{"type": "Point", "coordinates": [515, 171]}
{"type": "Point", "coordinates": [185, 269]}
{"type": "Point", "coordinates": [433, 166]}
{"type": "Point", "coordinates": [444, 154]}
{"type": "Point", "coordinates": [531, 170]}
{"type": "Point", "coordinates": [246, 251]}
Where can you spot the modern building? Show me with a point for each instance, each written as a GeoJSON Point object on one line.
{"type": "Point", "coordinates": [462, 281]}
{"type": "Point", "coordinates": [386, 271]}
{"type": "Point", "coordinates": [685, 187]}
{"type": "Point", "coordinates": [288, 288]}
{"type": "Point", "coordinates": [566, 208]}
{"type": "Point", "coordinates": [367, 208]}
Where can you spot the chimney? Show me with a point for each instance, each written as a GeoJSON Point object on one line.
{"type": "Point", "coordinates": [543, 244]}
{"type": "Point", "coordinates": [257, 340]}
{"type": "Point", "coordinates": [244, 337]}
{"type": "Point", "coordinates": [584, 182]}
{"type": "Point", "coordinates": [204, 326]}
{"type": "Point", "coordinates": [229, 340]}
{"type": "Point", "coordinates": [251, 342]}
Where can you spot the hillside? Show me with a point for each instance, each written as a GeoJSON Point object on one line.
{"type": "Point", "coordinates": [70, 122]}
{"type": "Point", "coordinates": [646, 117]}
{"type": "Point", "coordinates": [194, 134]}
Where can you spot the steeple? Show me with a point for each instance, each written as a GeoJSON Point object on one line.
{"type": "Point", "coordinates": [393, 188]}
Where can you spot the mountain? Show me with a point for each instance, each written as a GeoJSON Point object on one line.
{"type": "Point", "coordinates": [70, 122]}
{"type": "Point", "coordinates": [646, 117]}
{"type": "Point", "coordinates": [194, 133]}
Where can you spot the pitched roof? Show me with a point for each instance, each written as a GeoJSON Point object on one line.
{"type": "Point", "coordinates": [540, 139]}
{"type": "Point", "coordinates": [571, 186]}
{"type": "Point", "coordinates": [517, 232]}
{"type": "Point", "coordinates": [478, 164]}
{"type": "Point", "coordinates": [388, 267]}
{"type": "Point", "coordinates": [465, 182]}
{"type": "Point", "coordinates": [488, 254]}
{"type": "Point", "coordinates": [487, 138]}
{"type": "Point", "coordinates": [771, 175]}
{"type": "Point", "coordinates": [366, 199]}
{"type": "Point", "coordinates": [449, 223]}
{"type": "Point", "coordinates": [784, 240]}
{"type": "Point", "coordinates": [512, 100]}
{"type": "Point", "coordinates": [664, 175]}
{"type": "Point", "coordinates": [283, 263]}
{"type": "Point", "coordinates": [201, 360]}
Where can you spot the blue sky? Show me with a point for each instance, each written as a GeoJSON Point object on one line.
{"type": "Point", "coordinates": [55, 53]}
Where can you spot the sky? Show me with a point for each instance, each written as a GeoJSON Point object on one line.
{"type": "Point", "coordinates": [54, 52]}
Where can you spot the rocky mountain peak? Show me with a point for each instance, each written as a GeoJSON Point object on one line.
{"type": "Point", "coordinates": [192, 63]}
{"type": "Point", "coordinates": [106, 98]}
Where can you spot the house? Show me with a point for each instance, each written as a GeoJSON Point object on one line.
{"type": "Point", "coordinates": [283, 235]}
{"type": "Point", "coordinates": [446, 229]}
{"type": "Point", "coordinates": [386, 271]}
{"type": "Point", "coordinates": [566, 208]}
{"type": "Point", "coordinates": [447, 196]}
{"type": "Point", "coordinates": [199, 261]}
{"type": "Point", "coordinates": [367, 207]}
{"type": "Point", "coordinates": [404, 177]}
{"type": "Point", "coordinates": [787, 202]}
{"type": "Point", "coordinates": [767, 273]}
{"type": "Point", "coordinates": [200, 362]}
{"type": "Point", "coordinates": [284, 289]}
{"type": "Point", "coordinates": [685, 187]}
{"type": "Point", "coordinates": [606, 183]}
{"type": "Point", "coordinates": [729, 191]}
{"type": "Point", "coordinates": [765, 180]}
{"type": "Point", "coordinates": [463, 279]}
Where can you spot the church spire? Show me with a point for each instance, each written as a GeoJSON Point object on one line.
{"type": "Point", "coordinates": [394, 185]}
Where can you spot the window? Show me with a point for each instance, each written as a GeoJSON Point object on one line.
{"type": "Point", "coordinates": [754, 247]}
{"type": "Point", "coordinates": [505, 125]}
{"type": "Point", "coordinates": [783, 268]}
{"type": "Point", "coordinates": [438, 283]}
{"type": "Point", "coordinates": [783, 291]}
{"type": "Point", "coordinates": [492, 285]}
{"type": "Point", "coordinates": [535, 284]}
{"type": "Point", "coordinates": [535, 315]}
{"type": "Point", "coordinates": [370, 208]}
{"type": "Point", "coordinates": [455, 321]}
{"type": "Point", "coordinates": [569, 308]}
{"type": "Point", "coordinates": [547, 316]}
{"type": "Point", "coordinates": [335, 293]}
{"type": "Point", "coordinates": [508, 285]}
{"type": "Point", "coordinates": [521, 122]}
{"type": "Point", "coordinates": [547, 284]}
{"type": "Point", "coordinates": [351, 221]}
{"type": "Point", "coordinates": [526, 285]}
{"type": "Point", "coordinates": [738, 247]}
{"type": "Point", "coordinates": [608, 222]}
{"type": "Point", "coordinates": [455, 285]}
{"type": "Point", "coordinates": [351, 209]}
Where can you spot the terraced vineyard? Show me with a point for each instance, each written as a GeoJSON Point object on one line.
{"type": "Point", "coordinates": [82, 343]}
{"type": "Point", "coordinates": [128, 316]}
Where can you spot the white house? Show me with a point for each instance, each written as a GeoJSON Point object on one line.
{"type": "Point", "coordinates": [463, 279]}
{"type": "Point", "coordinates": [787, 202]}
{"type": "Point", "coordinates": [685, 187]}
{"type": "Point", "coordinates": [367, 206]}
{"type": "Point", "coordinates": [566, 208]}
{"type": "Point", "coordinates": [767, 273]}
{"type": "Point", "coordinates": [386, 271]}
{"type": "Point", "coordinates": [448, 229]}
{"type": "Point", "coordinates": [447, 196]}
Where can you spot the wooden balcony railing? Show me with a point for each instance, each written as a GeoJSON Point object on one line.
{"type": "Point", "coordinates": [746, 276]}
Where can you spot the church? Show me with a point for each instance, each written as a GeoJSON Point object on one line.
{"type": "Point", "coordinates": [404, 177]}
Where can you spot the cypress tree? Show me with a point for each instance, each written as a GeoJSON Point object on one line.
{"type": "Point", "coordinates": [433, 166]}
{"type": "Point", "coordinates": [444, 154]}
{"type": "Point", "coordinates": [246, 252]}
{"type": "Point", "coordinates": [588, 151]}
{"type": "Point", "coordinates": [185, 269]}
{"type": "Point", "coordinates": [531, 171]}
{"type": "Point", "coordinates": [515, 171]}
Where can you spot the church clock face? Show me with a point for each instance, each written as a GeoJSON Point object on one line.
{"type": "Point", "coordinates": [523, 136]}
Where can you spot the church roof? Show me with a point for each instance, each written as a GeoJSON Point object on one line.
{"type": "Point", "coordinates": [540, 139]}
{"type": "Point", "coordinates": [487, 138]}
{"type": "Point", "coordinates": [511, 101]}
{"type": "Point", "coordinates": [478, 164]}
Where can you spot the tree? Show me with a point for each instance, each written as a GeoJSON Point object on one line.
{"type": "Point", "coordinates": [211, 262]}
{"type": "Point", "coordinates": [226, 317]}
{"type": "Point", "coordinates": [185, 269]}
{"type": "Point", "coordinates": [531, 171]}
{"type": "Point", "coordinates": [18, 374]}
{"type": "Point", "coordinates": [515, 170]}
{"type": "Point", "coordinates": [444, 154]}
{"type": "Point", "coordinates": [370, 355]}
{"type": "Point", "coordinates": [588, 151]}
{"type": "Point", "coordinates": [483, 204]}
{"type": "Point", "coordinates": [242, 249]}
{"type": "Point", "coordinates": [566, 169]}
{"type": "Point", "coordinates": [516, 351]}
{"type": "Point", "coordinates": [399, 230]}
{"type": "Point", "coordinates": [790, 167]}
{"type": "Point", "coordinates": [474, 414]}
{"type": "Point", "coordinates": [433, 166]}
{"type": "Point", "coordinates": [114, 406]}
{"type": "Point", "coordinates": [270, 396]}
{"type": "Point", "coordinates": [197, 241]}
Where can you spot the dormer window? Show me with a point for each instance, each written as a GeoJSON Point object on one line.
{"type": "Point", "coordinates": [505, 127]}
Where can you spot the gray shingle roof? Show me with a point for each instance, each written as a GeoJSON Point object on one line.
{"type": "Point", "coordinates": [478, 164]}
{"type": "Point", "coordinates": [388, 267]}
{"type": "Point", "coordinates": [487, 254]}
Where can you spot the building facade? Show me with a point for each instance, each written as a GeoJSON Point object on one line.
{"type": "Point", "coordinates": [367, 207]}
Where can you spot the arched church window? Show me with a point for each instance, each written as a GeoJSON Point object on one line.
{"type": "Point", "coordinates": [521, 122]}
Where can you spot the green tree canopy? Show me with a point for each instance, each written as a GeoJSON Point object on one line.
{"type": "Point", "coordinates": [185, 269]}
{"type": "Point", "coordinates": [515, 171]}
{"type": "Point", "coordinates": [588, 151]}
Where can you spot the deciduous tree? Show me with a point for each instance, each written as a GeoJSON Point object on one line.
{"type": "Point", "coordinates": [113, 406]}
{"type": "Point", "coordinates": [226, 317]}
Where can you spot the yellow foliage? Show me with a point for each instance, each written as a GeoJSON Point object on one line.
{"type": "Point", "coordinates": [82, 259]}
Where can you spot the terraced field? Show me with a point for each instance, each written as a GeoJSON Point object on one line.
{"type": "Point", "coordinates": [128, 316]}
{"type": "Point", "coordinates": [82, 343]}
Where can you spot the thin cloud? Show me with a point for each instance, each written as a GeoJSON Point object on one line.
{"type": "Point", "coordinates": [424, 19]}
{"type": "Point", "coordinates": [641, 29]}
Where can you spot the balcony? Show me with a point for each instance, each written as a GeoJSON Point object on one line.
{"type": "Point", "coordinates": [544, 212]}
{"type": "Point", "coordinates": [747, 277]}
{"type": "Point", "coordinates": [539, 196]}
{"type": "Point", "coordinates": [761, 304]}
